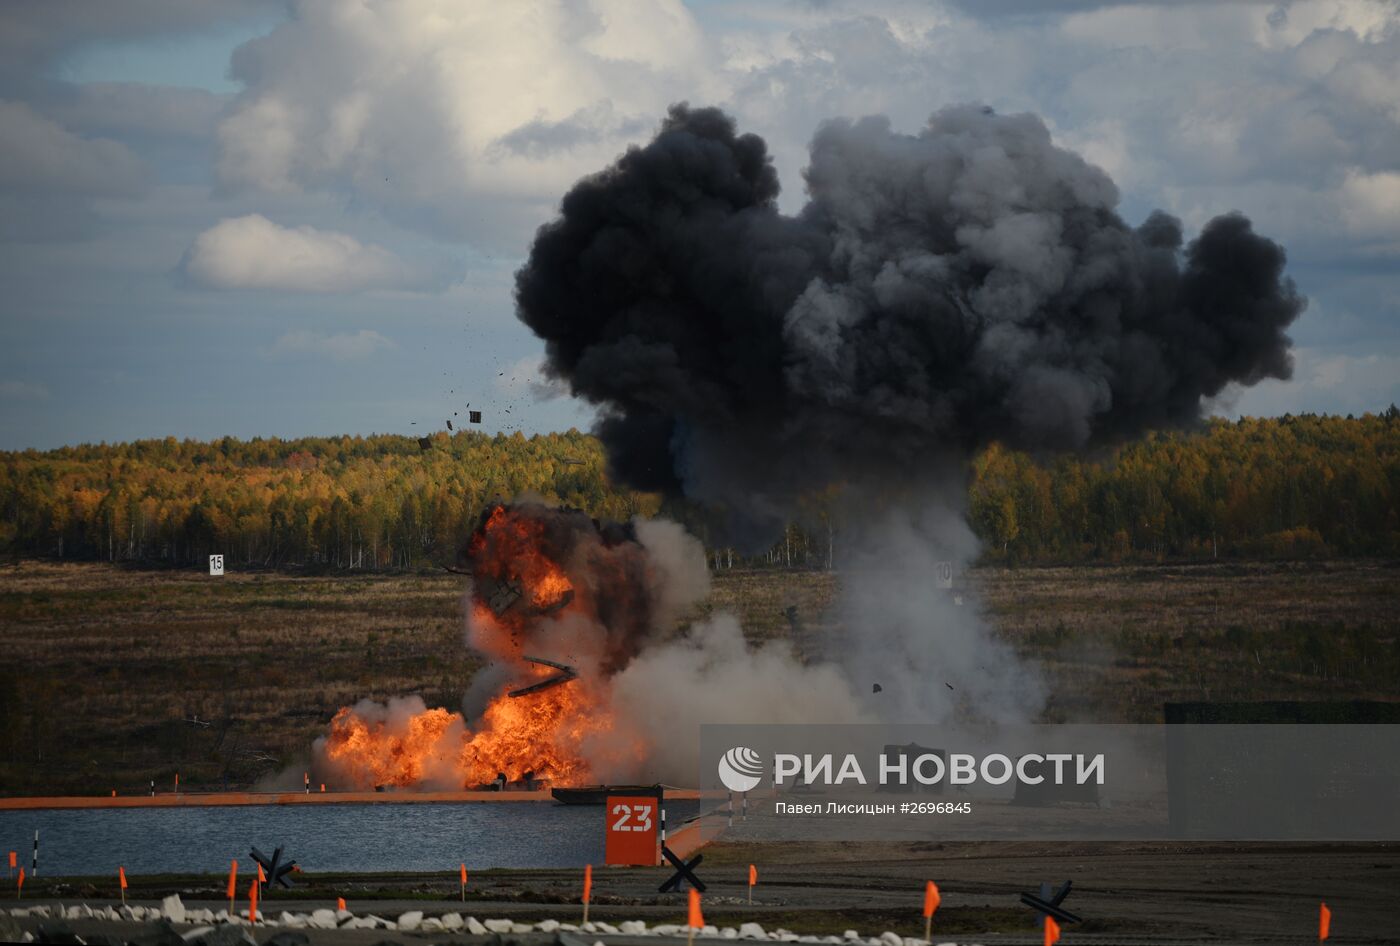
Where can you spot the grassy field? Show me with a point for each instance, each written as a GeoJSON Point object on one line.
{"type": "Point", "coordinates": [112, 677]}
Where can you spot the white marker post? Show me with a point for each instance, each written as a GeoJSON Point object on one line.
{"type": "Point", "coordinates": [216, 565]}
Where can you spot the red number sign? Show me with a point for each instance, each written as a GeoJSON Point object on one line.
{"type": "Point", "coordinates": [631, 830]}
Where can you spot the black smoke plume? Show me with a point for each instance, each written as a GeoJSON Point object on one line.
{"type": "Point", "coordinates": [939, 291]}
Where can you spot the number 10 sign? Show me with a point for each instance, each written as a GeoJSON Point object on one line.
{"type": "Point", "coordinates": [631, 830]}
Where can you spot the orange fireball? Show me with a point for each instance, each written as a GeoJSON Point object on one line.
{"type": "Point", "coordinates": [547, 583]}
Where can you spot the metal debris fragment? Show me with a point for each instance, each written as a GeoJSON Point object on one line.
{"type": "Point", "coordinates": [565, 674]}
{"type": "Point", "coordinates": [425, 443]}
{"type": "Point", "coordinates": [498, 593]}
{"type": "Point", "coordinates": [474, 416]}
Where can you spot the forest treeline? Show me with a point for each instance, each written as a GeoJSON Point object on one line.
{"type": "Point", "coordinates": [1294, 486]}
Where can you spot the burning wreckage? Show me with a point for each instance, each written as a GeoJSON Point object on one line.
{"type": "Point", "coordinates": [503, 594]}
{"type": "Point", "coordinates": [559, 604]}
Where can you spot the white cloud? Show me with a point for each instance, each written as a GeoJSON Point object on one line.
{"type": "Point", "coordinates": [1336, 382]}
{"type": "Point", "coordinates": [33, 34]}
{"type": "Point", "coordinates": [1371, 203]}
{"type": "Point", "coordinates": [252, 252]}
{"type": "Point", "coordinates": [342, 346]}
{"type": "Point", "coordinates": [23, 391]}
{"type": "Point", "coordinates": [411, 106]}
{"type": "Point", "coordinates": [38, 155]}
{"type": "Point", "coordinates": [470, 120]}
{"type": "Point", "coordinates": [138, 111]}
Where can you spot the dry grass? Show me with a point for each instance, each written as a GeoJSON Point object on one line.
{"type": "Point", "coordinates": [116, 664]}
{"type": "Point", "coordinates": [1116, 643]}
{"type": "Point", "coordinates": [105, 667]}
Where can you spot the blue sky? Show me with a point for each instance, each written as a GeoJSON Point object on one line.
{"type": "Point", "coordinates": [266, 218]}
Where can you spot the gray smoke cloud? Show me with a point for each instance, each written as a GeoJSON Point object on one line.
{"type": "Point", "coordinates": [939, 291]}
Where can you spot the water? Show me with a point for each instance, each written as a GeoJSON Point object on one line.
{"type": "Point", "coordinates": [378, 837]}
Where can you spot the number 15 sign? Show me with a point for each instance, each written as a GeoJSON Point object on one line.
{"type": "Point", "coordinates": [631, 830]}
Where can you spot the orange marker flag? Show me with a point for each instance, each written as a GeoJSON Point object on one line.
{"type": "Point", "coordinates": [932, 898]}
{"type": "Point", "coordinates": [253, 902]}
{"type": "Point", "coordinates": [121, 880]}
{"type": "Point", "coordinates": [1324, 923]}
{"type": "Point", "coordinates": [232, 890]}
{"type": "Point", "coordinates": [13, 859]}
{"type": "Point", "coordinates": [19, 890]}
{"type": "Point", "coordinates": [693, 918]}
{"type": "Point", "coordinates": [262, 878]}
{"type": "Point", "coordinates": [464, 883]}
{"type": "Point", "coordinates": [1052, 931]}
{"type": "Point", "coordinates": [588, 887]}
{"type": "Point", "coordinates": [753, 879]}
{"type": "Point", "coordinates": [340, 903]}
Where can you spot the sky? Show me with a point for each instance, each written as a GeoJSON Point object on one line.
{"type": "Point", "coordinates": [247, 217]}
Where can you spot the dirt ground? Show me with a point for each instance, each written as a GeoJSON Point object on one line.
{"type": "Point", "coordinates": [228, 680]}
{"type": "Point", "coordinates": [1126, 893]}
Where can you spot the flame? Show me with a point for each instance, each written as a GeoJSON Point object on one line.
{"type": "Point", "coordinates": [539, 736]}
{"type": "Point", "coordinates": [534, 737]}
{"type": "Point", "coordinates": [550, 589]}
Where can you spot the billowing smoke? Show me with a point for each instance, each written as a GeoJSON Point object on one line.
{"type": "Point", "coordinates": [938, 291]}
{"type": "Point", "coordinates": [589, 679]}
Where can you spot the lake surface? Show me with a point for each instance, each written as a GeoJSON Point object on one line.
{"type": "Point", "coordinates": [378, 837]}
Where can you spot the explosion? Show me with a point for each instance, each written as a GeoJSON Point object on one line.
{"type": "Point", "coordinates": [968, 284]}
{"type": "Point", "coordinates": [560, 604]}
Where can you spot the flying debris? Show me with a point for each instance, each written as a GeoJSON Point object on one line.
{"type": "Point", "coordinates": [449, 424]}
{"type": "Point", "coordinates": [425, 443]}
{"type": "Point", "coordinates": [499, 594]}
{"type": "Point", "coordinates": [571, 461]}
{"type": "Point", "coordinates": [565, 674]}
{"type": "Point", "coordinates": [502, 594]}
{"type": "Point", "coordinates": [876, 688]}
{"type": "Point", "coordinates": [474, 416]}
